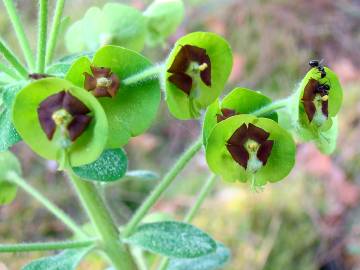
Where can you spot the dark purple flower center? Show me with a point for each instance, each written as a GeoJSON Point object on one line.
{"type": "Point", "coordinates": [190, 61]}
{"type": "Point", "coordinates": [102, 82]}
{"type": "Point", "coordinates": [249, 141]}
{"type": "Point", "coordinates": [225, 113]}
{"type": "Point", "coordinates": [63, 110]}
{"type": "Point", "coordinates": [315, 97]}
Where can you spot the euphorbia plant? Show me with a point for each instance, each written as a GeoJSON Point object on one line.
{"type": "Point", "coordinates": [81, 109]}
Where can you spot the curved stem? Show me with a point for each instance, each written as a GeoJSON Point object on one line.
{"type": "Point", "coordinates": [148, 74]}
{"type": "Point", "coordinates": [12, 59]}
{"type": "Point", "coordinates": [276, 105]}
{"type": "Point", "coordinates": [157, 192]}
{"type": "Point", "coordinates": [54, 31]}
{"type": "Point", "coordinates": [100, 217]}
{"type": "Point", "coordinates": [56, 211]}
{"type": "Point", "coordinates": [41, 49]}
{"type": "Point", "coordinates": [46, 246]}
{"type": "Point", "coordinates": [20, 33]}
{"type": "Point", "coordinates": [204, 192]}
{"type": "Point", "coordinates": [10, 72]}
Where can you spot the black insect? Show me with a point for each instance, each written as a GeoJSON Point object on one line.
{"type": "Point", "coordinates": [318, 64]}
{"type": "Point", "coordinates": [323, 89]}
{"type": "Point", "coordinates": [38, 76]}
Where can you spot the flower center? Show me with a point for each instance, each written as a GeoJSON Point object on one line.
{"type": "Point", "coordinates": [103, 82]}
{"type": "Point", "coordinates": [61, 117]}
{"type": "Point", "coordinates": [254, 164]}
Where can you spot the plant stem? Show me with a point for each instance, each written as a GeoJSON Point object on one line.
{"type": "Point", "coordinates": [46, 246]}
{"type": "Point", "coordinates": [20, 33]}
{"type": "Point", "coordinates": [12, 59]}
{"type": "Point", "coordinates": [10, 72]}
{"type": "Point", "coordinates": [276, 105]}
{"type": "Point", "coordinates": [54, 31]}
{"type": "Point", "coordinates": [157, 192]}
{"type": "Point", "coordinates": [100, 217]}
{"type": "Point", "coordinates": [204, 192]}
{"type": "Point", "coordinates": [42, 35]}
{"type": "Point", "coordinates": [56, 211]}
{"type": "Point", "coordinates": [147, 74]}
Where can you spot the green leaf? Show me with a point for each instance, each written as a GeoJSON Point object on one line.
{"type": "Point", "coordinates": [87, 148]}
{"type": "Point", "coordinates": [8, 163]}
{"type": "Point", "coordinates": [8, 134]}
{"type": "Point", "coordinates": [115, 24]}
{"type": "Point", "coordinates": [163, 18]}
{"type": "Point", "coordinates": [66, 260]}
{"type": "Point", "coordinates": [242, 101]}
{"type": "Point", "coordinates": [211, 261]}
{"type": "Point", "coordinates": [172, 239]}
{"type": "Point", "coordinates": [134, 108]}
{"type": "Point", "coordinates": [142, 175]}
{"type": "Point", "coordinates": [109, 167]}
{"type": "Point", "coordinates": [279, 163]}
{"type": "Point", "coordinates": [180, 104]}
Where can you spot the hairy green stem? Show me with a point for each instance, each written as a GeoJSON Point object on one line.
{"type": "Point", "coordinates": [10, 72]}
{"type": "Point", "coordinates": [147, 74]}
{"type": "Point", "coordinates": [204, 192]}
{"type": "Point", "coordinates": [56, 211]}
{"type": "Point", "coordinates": [12, 59]}
{"type": "Point", "coordinates": [20, 33]}
{"type": "Point", "coordinates": [100, 217]}
{"type": "Point", "coordinates": [55, 29]}
{"type": "Point", "coordinates": [46, 246]}
{"type": "Point", "coordinates": [163, 185]}
{"type": "Point", "coordinates": [42, 35]}
{"type": "Point", "coordinates": [276, 105]}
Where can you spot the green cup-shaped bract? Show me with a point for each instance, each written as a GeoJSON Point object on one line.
{"type": "Point", "coordinates": [163, 18]}
{"type": "Point", "coordinates": [242, 101]}
{"type": "Point", "coordinates": [135, 106]}
{"type": "Point", "coordinates": [312, 130]}
{"type": "Point", "coordinates": [183, 106]}
{"type": "Point", "coordinates": [8, 163]}
{"type": "Point", "coordinates": [85, 149]}
{"type": "Point", "coordinates": [115, 24]}
{"type": "Point", "coordinates": [279, 163]}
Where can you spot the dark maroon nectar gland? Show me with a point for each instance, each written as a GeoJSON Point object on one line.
{"type": "Point", "coordinates": [249, 146]}
{"type": "Point", "coordinates": [65, 111]}
{"type": "Point", "coordinates": [315, 100]}
{"type": "Point", "coordinates": [103, 82]}
{"type": "Point", "coordinates": [225, 114]}
{"type": "Point", "coordinates": [190, 62]}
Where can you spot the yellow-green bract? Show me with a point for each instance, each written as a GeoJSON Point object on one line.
{"type": "Point", "coordinates": [134, 107]}
{"type": "Point", "coordinates": [279, 163]}
{"type": "Point", "coordinates": [87, 148]}
{"type": "Point", "coordinates": [183, 106]}
{"type": "Point", "coordinates": [242, 101]}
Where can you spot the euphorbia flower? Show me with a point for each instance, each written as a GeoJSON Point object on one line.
{"type": "Point", "coordinates": [315, 99]}
{"type": "Point", "coordinates": [103, 82]}
{"type": "Point", "coordinates": [63, 110]}
{"type": "Point", "coordinates": [250, 149]}
{"type": "Point", "coordinates": [250, 143]}
{"type": "Point", "coordinates": [189, 62]}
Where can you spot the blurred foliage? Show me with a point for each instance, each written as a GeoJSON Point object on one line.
{"type": "Point", "coordinates": [309, 221]}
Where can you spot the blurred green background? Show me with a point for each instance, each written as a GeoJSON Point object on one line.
{"type": "Point", "coordinates": [310, 220]}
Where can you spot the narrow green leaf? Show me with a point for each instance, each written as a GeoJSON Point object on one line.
{"type": "Point", "coordinates": [211, 261]}
{"type": "Point", "coordinates": [173, 239]}
{"type": "Point", "coordinates": [66, 260]}
{"type": "Point", "coordinates": [109, 167]}
{"type": "Point", "coordinates": [8, 163]}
